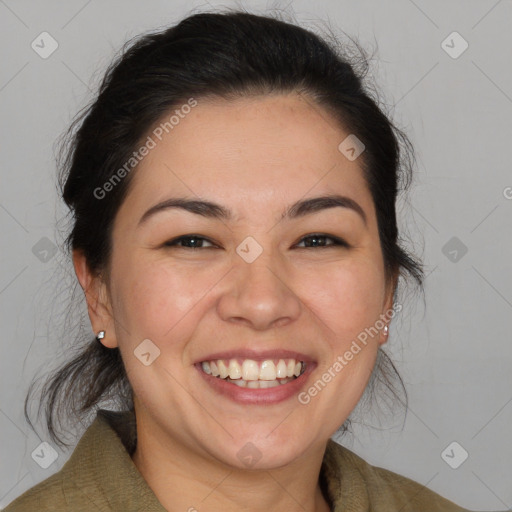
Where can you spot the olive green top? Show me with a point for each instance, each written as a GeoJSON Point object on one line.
{"type": "Point", "coordinates": [101, 476]}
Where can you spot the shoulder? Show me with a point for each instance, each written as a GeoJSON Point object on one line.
{"type": "Point", "coordinates": [99, 475]}
{"type": "Point", "coordinates": [379, 489]}
{"type": "Point", "coordinates": [77, 485]}
{"type": "Point", "coordinates": [62, 491]}
{"type": "Point", "coordinates": [48, 495]}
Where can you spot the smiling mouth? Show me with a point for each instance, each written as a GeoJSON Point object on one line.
{"type": "Point", "coordinates": [248, 373]}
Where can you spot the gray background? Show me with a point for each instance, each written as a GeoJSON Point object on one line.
{"type": "Point", "coordinates": [454, 351]}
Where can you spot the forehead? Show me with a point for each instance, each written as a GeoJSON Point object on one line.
{"type": "Point", "coordinates": [252, 154]}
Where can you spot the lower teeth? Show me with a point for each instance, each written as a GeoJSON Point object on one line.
{"type": "Point", "coordinates": [259, 384]}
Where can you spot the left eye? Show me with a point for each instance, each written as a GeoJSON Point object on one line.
{"type": "Point", "coordinates": [319, 240]}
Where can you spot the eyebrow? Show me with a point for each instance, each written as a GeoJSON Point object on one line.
{"type": "Point", "coordinates": [216, 211]}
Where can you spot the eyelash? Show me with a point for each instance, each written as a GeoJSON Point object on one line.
{"type": "Point", "coordinates": [337, 241]}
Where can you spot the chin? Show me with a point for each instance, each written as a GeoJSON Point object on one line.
{"type": "Point", "coordinates": [260, 452]}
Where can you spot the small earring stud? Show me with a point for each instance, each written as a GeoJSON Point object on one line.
{"type": "Point", "coordinates": [100, 336]}
{"type": "Point", "coordinates": [386, 330]}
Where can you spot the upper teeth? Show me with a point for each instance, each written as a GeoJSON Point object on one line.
{"type": "Point", "coordinates": [253, 370]}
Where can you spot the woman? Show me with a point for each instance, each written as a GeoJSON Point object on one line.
{"type": "Point", "coordinates": [233, 189]}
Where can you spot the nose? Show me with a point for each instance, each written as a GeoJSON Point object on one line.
{"type": "Point", "coordinates": [259, 295]}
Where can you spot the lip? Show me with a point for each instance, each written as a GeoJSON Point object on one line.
{"type": "Point", "coordinates": [265, 396]}
{"type": "Point", "coordinates": [257, 355]}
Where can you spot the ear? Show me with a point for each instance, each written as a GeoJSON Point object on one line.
{"type": "Point", "coordinates": [388, 306]}
{"type": "Point", "coordinates": [98, 302]}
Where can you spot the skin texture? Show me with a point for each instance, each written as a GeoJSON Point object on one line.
{"type": "Point", "coordinates": [255, 156]}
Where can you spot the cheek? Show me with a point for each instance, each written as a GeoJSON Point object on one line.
{"type": "Point", "coordinates": [347, 297]}
{"type": "Point", "coordinates": [153, 297]}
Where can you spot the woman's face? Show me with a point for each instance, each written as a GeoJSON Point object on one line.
{"type": "Point", "coordinates": [252, 286]}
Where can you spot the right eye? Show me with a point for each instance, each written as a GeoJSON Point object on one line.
{"type": "Point", "coordinates": [189, 241]}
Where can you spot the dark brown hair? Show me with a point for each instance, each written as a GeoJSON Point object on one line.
{"type": "Point", "coordinates": [228, 55]}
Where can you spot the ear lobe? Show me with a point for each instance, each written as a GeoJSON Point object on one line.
{"type": "Point", "coordinates": [96, 296]}
{"type": "Point", "coordinates": [388, 305]}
